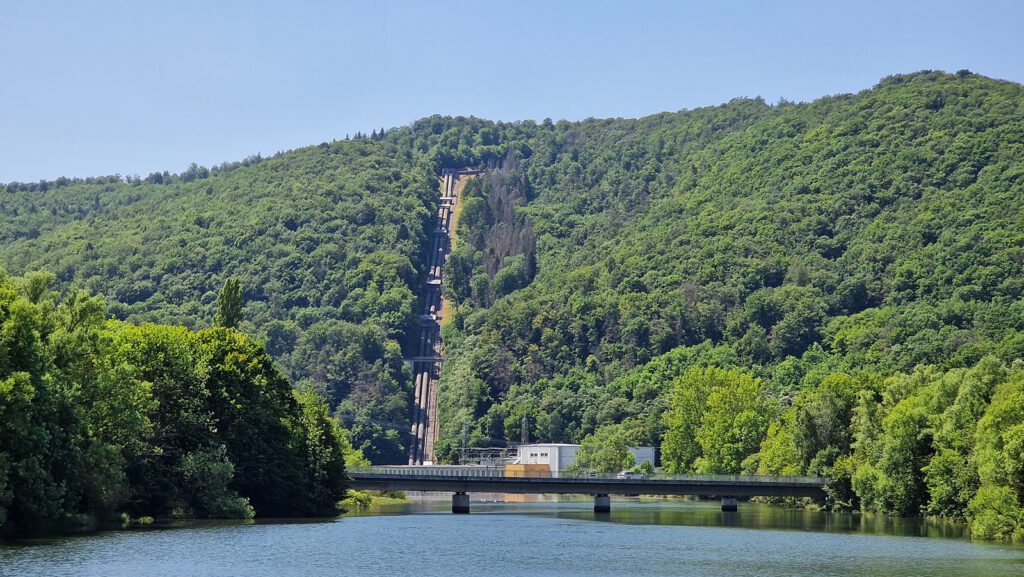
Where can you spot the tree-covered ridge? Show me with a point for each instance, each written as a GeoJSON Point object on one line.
{"type": "Point", "coordinates": [881, 227]}
{"type": "Point", "coordinates": [102, 421]}
{"type": "Point", "coordinates": [847, 243]}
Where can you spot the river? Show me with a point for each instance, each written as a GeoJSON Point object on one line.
{"type": "Point", "coordinates": [421, 538]}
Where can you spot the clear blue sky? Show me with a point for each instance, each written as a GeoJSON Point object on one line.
{"type": "Point", "coordinates": [103, 87]}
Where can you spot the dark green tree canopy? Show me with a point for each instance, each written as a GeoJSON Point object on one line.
{"type": "Point", "coordinates": [100, 419]}
{"type": "Point", "coordinates": [229, 304]}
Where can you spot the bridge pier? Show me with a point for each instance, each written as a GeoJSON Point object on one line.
{"type": "Point", "coordinates": [460, 503]}
{"type": "Point", "coordinates": [602, 503]}
{"type": "Point", "coordinates": [729, 504]}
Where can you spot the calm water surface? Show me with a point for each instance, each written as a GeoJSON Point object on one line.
{"type": "Point", "coordinates": [639, 537]}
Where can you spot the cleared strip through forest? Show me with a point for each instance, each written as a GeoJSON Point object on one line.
{"type": "Point", "coordinates": [426, 364]}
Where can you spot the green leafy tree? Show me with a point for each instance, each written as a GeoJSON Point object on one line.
{"type": "Point", "coordinates": [229, 304]}
{"type": "Point", "coordinates": [687, 406]}
{"type": "Point", "coordinates": [952, 475]}
{"type": "Point", "coordinates": [995, 512]}
{"type": "Point", "coordinates": [607, 450]}
{"type": "Point", "coordinates": [734, 424]}
{"type": "Point", "coordinates": [716, 419]}
{"type": "Point", "coordinates": [779, 454]}
{"type": "Point", "coordinates": [822, 422]}
{"type": "Point", "coordinates": [325, 449]}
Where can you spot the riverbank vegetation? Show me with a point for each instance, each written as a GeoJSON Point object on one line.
{"type": "Point", "coordinates": [102, 420]}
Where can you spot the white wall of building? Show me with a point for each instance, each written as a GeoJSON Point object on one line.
{"type": "Point", "coordinates": [558, 456]}
{"type": "Point", "coordinates": [641, 454]}
{"type": "Point", "coordinates": [566, 455]}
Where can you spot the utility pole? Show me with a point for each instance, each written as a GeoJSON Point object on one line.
{"type": "Point", "coordinates": [465, 434]}
{"type": "Point", "coordinates": [524, 432]}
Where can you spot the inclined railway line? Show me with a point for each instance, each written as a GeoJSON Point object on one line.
{"type": "Point", "coordinates": [426, 365]}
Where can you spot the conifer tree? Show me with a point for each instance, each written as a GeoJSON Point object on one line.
{"type": "Point", "coordinates": [229, 304]}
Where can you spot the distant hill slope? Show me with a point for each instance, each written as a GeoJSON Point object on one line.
{"type": "Point", "coordinates": [870, 231]}
{"type": "Point", "coordinates": [873, 231]}
{"type": "Point", "coordinates": [326, 240]}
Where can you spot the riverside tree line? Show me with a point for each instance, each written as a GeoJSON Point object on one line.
{"type": "Point", "coordinates": [103, 421]}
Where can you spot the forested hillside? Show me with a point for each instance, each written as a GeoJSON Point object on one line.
{"type": "Point", "coordinates": [853, 267]}
{"type": "Point", "coordinates": [326, 241]}
{"type": "Point", "coordinates": [873, 231]}
{"type": "Point", "coordinates": [838, 283]}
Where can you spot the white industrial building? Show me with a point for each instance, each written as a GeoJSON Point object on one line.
{"type": "Point", "coordinates": [641, 454]}
{"type": "Point", "coordinates": [558, 456]}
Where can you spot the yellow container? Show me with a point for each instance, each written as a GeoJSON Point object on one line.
{"type": "Point", "coordinates": [528, 471]}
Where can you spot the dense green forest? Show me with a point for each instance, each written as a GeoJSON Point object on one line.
{"type": "Point", "coordinates": [829, 288]}
{"type": "Point", "coordinates": [833, 288]}
{"type": "Point", "coordinates": [103, 421]}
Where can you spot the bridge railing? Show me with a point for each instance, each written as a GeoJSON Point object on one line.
{"type": "Point", "coordinates": [498, 471]}
{"type": "Point", "coordinates": [432, 471]}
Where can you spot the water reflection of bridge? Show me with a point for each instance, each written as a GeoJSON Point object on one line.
{"type": "Point", "coordinates": [461, 481]}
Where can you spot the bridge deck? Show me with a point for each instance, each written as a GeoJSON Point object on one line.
{"type": "Point", "coordinates": [734, 486]}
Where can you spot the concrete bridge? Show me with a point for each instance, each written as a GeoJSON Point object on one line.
{"type": "Point", "coordinates": [460, 481]}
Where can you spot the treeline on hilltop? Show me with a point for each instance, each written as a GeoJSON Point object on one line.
{"type": "Point", "coordinates": [193, 172]}
{"type": "Point", "coordinates": [103, 421]}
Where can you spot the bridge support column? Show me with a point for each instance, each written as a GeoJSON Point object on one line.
{"type": "Point", "coordinates": [460, 503]}
{"type": "Point", "coordinates": [602, 504]}
{"type": "Point", "coordinates": [729, 504]}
